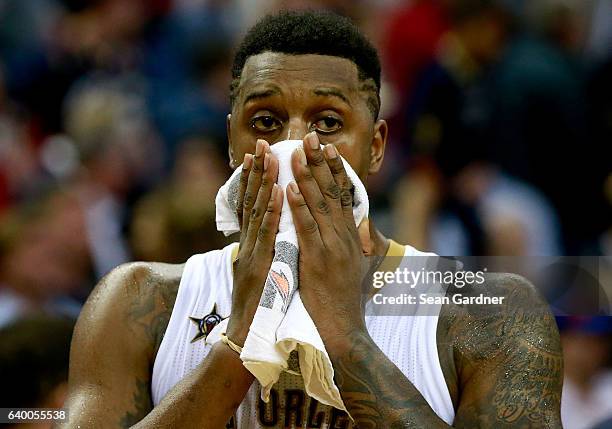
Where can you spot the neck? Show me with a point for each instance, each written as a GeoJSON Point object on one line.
{"type": "Point", "coordinates": [379, 241]}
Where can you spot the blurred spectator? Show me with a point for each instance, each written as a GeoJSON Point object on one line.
{"type": "Point", "coordinates": [513, 218]}
{"type": "Point", "coordinates": [120, 155]}
{"type": "Point", "coordinates": [409, 44]}
{"type": "Point", "coordinates": [449, 112]}
{"type": "Point", "coordinates": [80, 37]}
{"type": "Point", "coordinates": [19, 174]}
{"type": "Point", "coordinates": [517, 220]}
{"type": "Point", "coordinates": [188, 65]}
{"type": "Point", "coordinates": [540, 120]}
{"type": "Point", "coordinates": [599, 97]}
{"type": "Point", "coordinates": [600, 35]}
{"type": "Point", "coordinates": [587, 387]}
{"type": "Point", "coordinates": [44, 261]}
{"type": "Point", "coordinates": [448, 119]}
{"type": "Point", "coordinates": [177, 220]}
{"type": "Point", "coordinates": [34, 364]}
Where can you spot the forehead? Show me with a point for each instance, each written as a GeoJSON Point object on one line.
{"type": "Point", "coordinates": [298, 71]}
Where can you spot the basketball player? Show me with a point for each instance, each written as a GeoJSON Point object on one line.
{"type": "Point", "coordinates": [140, 357]}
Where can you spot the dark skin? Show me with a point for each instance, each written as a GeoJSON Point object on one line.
{"type": "Point", "coordinates": [502, 365]}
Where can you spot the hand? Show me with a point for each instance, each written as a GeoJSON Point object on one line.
{"type": "Point", "coordinates": [260, 201]}
{"type": "Point", "coordinates": [331, 258]}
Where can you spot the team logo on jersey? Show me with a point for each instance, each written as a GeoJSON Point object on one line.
{"type": "Point", "coordinates": [206, 324]}
{"type": "Point", "coordinates": [280, 282]}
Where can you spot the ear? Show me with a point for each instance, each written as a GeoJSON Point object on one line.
{"type": "Point", "coordinates": [230, 149]}
{"type": "Point", "coordinates": [377, 148]}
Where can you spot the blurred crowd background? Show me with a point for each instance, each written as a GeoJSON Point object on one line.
{"type": "Point", "coordinates": [113, 145]}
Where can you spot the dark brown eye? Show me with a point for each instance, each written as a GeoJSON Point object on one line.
{"type": "Point", "coordinates": [265, 123]}
{"type": "Point", "coordinates": [327, 125]}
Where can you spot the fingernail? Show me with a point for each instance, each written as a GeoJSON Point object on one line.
{"type": "Point", "coordinates": [330, 151]}
{"type": "Point", "coordinates": [301, 155]}
{"type": "Point", "coordinates": [248, 161]}
{"type": "Point", "coordinates": [274, 192]}
{"type": "Point", "coordinates": [266, 161]}
{"type": "Point", "coordinates": [313, 140]}
{"type": "Point", "coordinates": [294, 187]}
{"type": "Point", "coordinates": [259, 147]}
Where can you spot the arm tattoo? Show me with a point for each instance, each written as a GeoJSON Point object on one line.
{"type": "Point", "coordinates": [515, 358]}
{"type": "Point", "coordinates": [508, 361]}
{"type": "Point", "coordinates": [142, 405]}
{"type": "Point", "coordinates": [150, 310]}
{"type": "Point", "coordinates": [148, 316]}
{"type": "Point", "coordinates": [376, 393]}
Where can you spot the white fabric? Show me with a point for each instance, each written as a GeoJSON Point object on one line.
{"type": "Point", "coordinates": [408, 341]}
{"type": "Point", "coordinates": [281, 323]}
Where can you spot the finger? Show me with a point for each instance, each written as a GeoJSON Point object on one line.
{"type": "Point", "coordinates": [367, 246]}
{"type": "Point", "coordinates": [311, 194]}
{"type": "Point", "coordinates": [250, 195]}
{"type": "Point", "coordinates": [266, 235]}
{"type": "Point", "coordinates": [322, 174]}
{"type": "Point", "coordinates": [244, 180]}
{"type": "Point", "coordinates": [336, 166]}
{"type": "Point", "coordinates": [268, 181]}
{"type": "Point", "coordinates": [306, 227]}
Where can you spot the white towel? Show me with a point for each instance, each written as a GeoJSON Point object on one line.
{"type": "Point", "coordinates": [281, 324]}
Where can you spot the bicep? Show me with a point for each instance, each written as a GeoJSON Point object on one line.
{"type": "Point", "coordinates": [515, 365]}
{"type": "Point", "coordinates": [521, 389]}
{"type": "Point", "coordinates": [109, 375]}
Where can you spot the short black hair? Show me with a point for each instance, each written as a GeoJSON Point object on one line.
{"type": "Point", "coordinates": [311, 32]}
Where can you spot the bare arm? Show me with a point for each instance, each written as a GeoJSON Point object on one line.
{"type": "Point", "coordinates": [375, 392]}
{"type": "Point", "coordinates": [122, 324]}
{"type": "Point", "coordinates": [221, 380]}
{"type": "Point", "coordinates": [113, 350]}
{"type": "Point", "coordinates": [509, 360]}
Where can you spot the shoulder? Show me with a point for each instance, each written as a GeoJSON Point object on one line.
{"type": "Point", "coordinates": [507, 357]}
{"type": "Point", "coordinates": [134, 299]}
{"type": "Point", "coordinates": [518, 314]}
{"type": "Point", "coordinates": [131, 283]}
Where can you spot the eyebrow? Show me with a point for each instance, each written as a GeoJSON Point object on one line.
{"type": "Point", "coordinates": [331, 92]}
{"type": "Point", "coordinates": [262, 93]}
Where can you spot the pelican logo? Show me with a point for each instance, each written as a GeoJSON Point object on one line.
{"type": "Point", "coordinates": [206, 324]}
{"type": "Point", "coordinates": [280, 282]}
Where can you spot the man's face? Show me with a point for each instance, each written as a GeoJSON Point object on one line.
{"type": "Point", "coordinates": [284, 97]}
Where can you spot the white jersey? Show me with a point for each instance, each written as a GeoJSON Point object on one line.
{"type": "Point", "coordinates": [204, 298]}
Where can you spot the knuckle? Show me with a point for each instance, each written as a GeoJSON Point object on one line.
{"type": "Point", "coordinates": [333, 191]}
{"type": "Point", "coordinates": [311, 227]}
{"type": "Point", "coordinates": [304, 175]}
{"type": "Point", "coordinates": [257, 164]}
{"type": "Point", "coordinates": [255, 213]}
{"type": "Point", "coordinates": [346, 197]}
{"type": "Point", "coordinates": [301, 202]}
{"type": "Point", "coordinates": [263, 233]}
{"type": "Point", "coordinates": [317, 158]}
{"type": "Point", "coordinates": [336, 166]}
{"type": "Point", "coordinates": [323, 207]}
{"type": "Point", "coordinates": [248, 199]}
